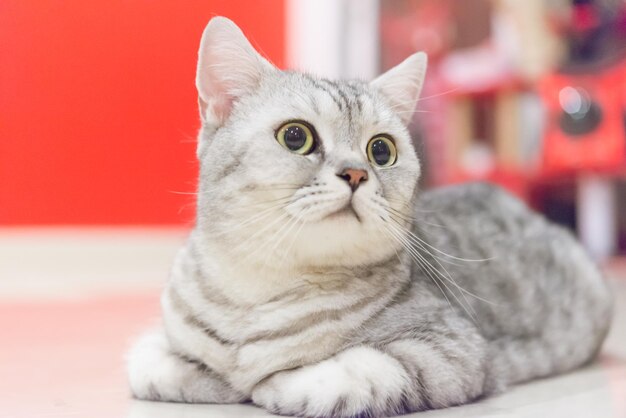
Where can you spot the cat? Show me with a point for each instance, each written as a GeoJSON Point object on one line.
{"type": "Point", "coordinates": [318, 281]}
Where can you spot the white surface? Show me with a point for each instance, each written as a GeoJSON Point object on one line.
{"type": "Point", "coordinates": [75, 299]}
{"type": "Point", "coordinates": [333, 38]}
{"type": "Point", "coordinates": [68, 262]}
{"type": "Point", "coordinates": [596, 204]}
{"type": "Point", "coordinates": [313, 28]}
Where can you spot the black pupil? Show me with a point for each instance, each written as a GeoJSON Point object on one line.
{"type": "Point", "coordinates": [295, 137]}
{"type": "Point", "coordinates": [381, 152]}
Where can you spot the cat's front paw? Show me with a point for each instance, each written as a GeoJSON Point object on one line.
{"type": "Point", "coordinates": [358, 381]}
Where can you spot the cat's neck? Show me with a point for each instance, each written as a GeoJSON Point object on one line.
{"type": "Point", "coordinates": [248, 282]}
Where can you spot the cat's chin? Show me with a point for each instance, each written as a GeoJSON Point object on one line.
{"type": "Point", "coordinates": [347, 212]}
{"type": "Point", "coordinates": [342, 239]}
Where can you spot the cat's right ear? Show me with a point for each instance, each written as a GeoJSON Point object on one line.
{"type": "Point", "coordinates": [228, 67]}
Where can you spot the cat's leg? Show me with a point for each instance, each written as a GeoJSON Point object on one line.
{"type": "Point", "coordinates": [409, 374]}
{"type": "Point", "coordinates": [158, 374]}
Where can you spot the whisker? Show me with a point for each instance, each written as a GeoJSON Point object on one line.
{"type": "Point", "coordinates": [404, 217]}
{"type": "Point", "coordinates": [260, 231]}
{"type": "Point", "coordinates": [412, 220]}
{"type": "Point", "coordinates": [380, 229]}
{"type": "Point", "coordinates": [247, 188]}
{"type": "Point", "coordinates": [446, 277]}
{"type": "Point", "coordinates": [433, 273]}
{"type": "Point", "coordinates": [399, 228]}
{"type": "Point", "coordinates": [471, 260]}
{"type": "Point", "coordinates": [185, 207]}
{"type": "Point", "coordinates": [438, 94]}
{"type": "Point", "coordinates": [265, 189]}
{"type": "Point", "coordinates": [401, 112]}
{"type": "Point", "coordinates": [409, 206]}
{"type": "Point", "coordinates": [301, 223]}
{"type": "Point", "coordinates": [293, 221]}
{"type": "Point", "coordinates": [278, 199]}
{"type": "Point", "coordinates": [256, 217]}
{"type": "Point", "coordinates": [250, 240]}
{"type": "Point", "coordinates": [419, 262]}
{"type": "Point", "coordinates": [183, 193]}
{"type": "Point", "coordinates": [407, 218]}
{"type": "Point", "coordinates": [421, 99]}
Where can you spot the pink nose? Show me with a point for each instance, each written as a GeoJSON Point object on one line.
{"type": "Point", "coordinates": [354, 177]}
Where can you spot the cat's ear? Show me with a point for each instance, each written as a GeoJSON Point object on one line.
{"type": "Point", "coordinates": [402, 84]}
{"type": "Point", "coordinates": [228, 67]}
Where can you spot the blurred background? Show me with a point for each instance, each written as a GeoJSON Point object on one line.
{"type": "Point", "coordinates": [98, 110]}
{"type": "Point", "coordinates": [98, 124]}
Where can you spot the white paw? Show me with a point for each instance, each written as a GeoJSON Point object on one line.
{"type": "Point", "coordinates": [156, 374]}
{"type": "Point", "coordinates": [357, 381]}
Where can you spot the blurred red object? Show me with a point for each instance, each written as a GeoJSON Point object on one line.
{"type": "Point", "coordinates": [584, 18]}
{"type": "Point", "coordinates": [407, 26]}
{"type": "Point", "coordinates": [585, 126]}
{"type": "Point", "coordinates": [98, 113]}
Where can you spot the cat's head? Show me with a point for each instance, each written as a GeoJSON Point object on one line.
{"type": "Point", "coordinates": [298, 170]}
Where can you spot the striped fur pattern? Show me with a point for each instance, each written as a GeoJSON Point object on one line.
{"type": "Point", "coordinates": [409, 301]}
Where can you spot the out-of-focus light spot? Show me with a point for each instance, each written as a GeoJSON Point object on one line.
{"type": "Point", "coordinates": [574, 101]}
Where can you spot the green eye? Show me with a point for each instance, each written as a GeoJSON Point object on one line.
{"type": "Point", "coordinates": [381, 151]}
{"type": "Point", "coordinates": [297, 137]}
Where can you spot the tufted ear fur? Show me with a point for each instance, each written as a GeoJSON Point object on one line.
{"type": "Point", "coordinates": [402, 84]}
{"type": "Point", "coordinates": [228, 67]}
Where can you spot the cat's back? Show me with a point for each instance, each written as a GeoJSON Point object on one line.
{"type": "Point", "coordinates": [480, 220]}
{"type": "Point", "coordinates": [472, 203]}
{"type": "Point", "coordinates": [521, 272]}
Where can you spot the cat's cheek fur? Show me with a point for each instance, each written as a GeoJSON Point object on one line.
{"type": "Point", "coordinates": [357, 381]}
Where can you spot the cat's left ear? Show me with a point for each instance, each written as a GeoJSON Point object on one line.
{"type": "Point", "coordinates": [228, 67]}
{"type": "Point", "coordinates": [402, 84]}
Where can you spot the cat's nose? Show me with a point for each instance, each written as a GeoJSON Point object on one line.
{"type": "Point", "coordinates": [353, 176]}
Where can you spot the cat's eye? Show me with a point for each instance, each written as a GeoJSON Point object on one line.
{"type": "Point", "coordinates": [297, 137]}
{"type": "Point", "coordinates": [381, 151]}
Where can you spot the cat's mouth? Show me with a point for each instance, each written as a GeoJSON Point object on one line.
{"type": "Point", "coordinates": [347, 210]}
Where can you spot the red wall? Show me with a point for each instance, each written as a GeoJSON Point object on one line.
{"type": "Point", "coordinates": [98, 112]}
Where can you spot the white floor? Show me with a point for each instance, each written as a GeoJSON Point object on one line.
{"type": "Point", "coordinates": [72, 300]}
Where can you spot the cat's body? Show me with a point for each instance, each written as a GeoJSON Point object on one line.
{"type": "Point", "coordinates": [283, 296]}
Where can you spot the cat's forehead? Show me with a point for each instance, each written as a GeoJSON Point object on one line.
{"type": "Point", "coordinates": [348, 98]}
{"type": "Point", "coordinates": [351, 106]}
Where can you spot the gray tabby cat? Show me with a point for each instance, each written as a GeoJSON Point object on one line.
{"type": "Point", "coordinates": [318, 282]}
